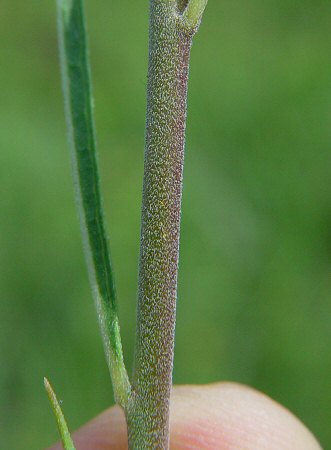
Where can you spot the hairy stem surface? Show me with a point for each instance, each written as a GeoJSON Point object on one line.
{"type": "Point", "coordinates": [169, 49]}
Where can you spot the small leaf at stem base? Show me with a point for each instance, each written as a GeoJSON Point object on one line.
{"type": "Point", "coordinates": [60, 420]}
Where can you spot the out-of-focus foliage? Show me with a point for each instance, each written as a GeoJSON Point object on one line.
{"type": "Point", "coordinates": [255, 272]}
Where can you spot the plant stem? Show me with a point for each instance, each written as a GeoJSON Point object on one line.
{"type": "Point", "coordinates": [169, 50]}
{"type": "Point", "coordinates": [172, 26]}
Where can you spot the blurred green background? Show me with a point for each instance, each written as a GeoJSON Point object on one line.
{"type": "Point", "coordinates": [255, 268]}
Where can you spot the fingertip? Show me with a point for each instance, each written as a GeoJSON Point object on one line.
{"type": "Point", "coordinates": [228, 416]}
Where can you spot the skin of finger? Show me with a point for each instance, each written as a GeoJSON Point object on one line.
{"type": "Point", "coordinates": [228, 416]}
{"type": "Point", "coordinates": [221, 416]}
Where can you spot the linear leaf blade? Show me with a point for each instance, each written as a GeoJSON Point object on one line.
{"type": "Point", "coordinates": [80, 123]}
{"type": "Point", "coordinates": [60, 420]}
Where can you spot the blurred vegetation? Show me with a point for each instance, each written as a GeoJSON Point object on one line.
{"type": "Point", "coordinates": [255, 270]}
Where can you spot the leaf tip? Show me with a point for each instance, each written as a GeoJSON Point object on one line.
{"type": "Point", "coordinates": [61, 422]}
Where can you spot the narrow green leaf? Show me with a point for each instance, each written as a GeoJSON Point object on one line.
{"type": "Point", "coordinates": [193, 13]}
{"type": "Point", "coordinates": [60, 420]}
{"type": "Point", "coordinates": [79, 115]}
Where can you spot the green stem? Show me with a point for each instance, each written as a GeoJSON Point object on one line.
{"type": "Point", "coordinates": [172, 26]}
{"type": "Point", "coordinates": [79, 114]}
{"type": "Point", "coordinates": [169, 49]}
